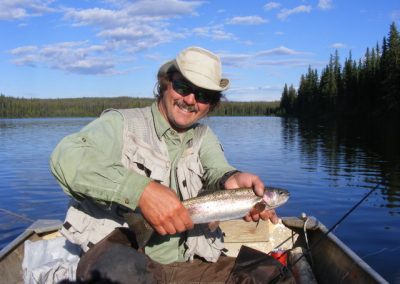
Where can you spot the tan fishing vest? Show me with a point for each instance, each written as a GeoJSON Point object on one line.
{"type": "Point", "coordinates": [142, 152]}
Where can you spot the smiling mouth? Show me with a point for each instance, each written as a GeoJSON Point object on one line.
{"type": "Point", "coordinates": [186, 108]}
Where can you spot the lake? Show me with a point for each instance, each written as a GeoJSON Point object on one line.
{"type": "Point", "coordinates": [327, 168]}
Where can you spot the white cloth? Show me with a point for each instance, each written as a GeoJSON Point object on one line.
{"type": "Point", "coordinates": [50, 261]}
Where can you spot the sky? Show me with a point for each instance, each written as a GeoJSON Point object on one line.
{"type": "Point", "coordinates": [110, 48]}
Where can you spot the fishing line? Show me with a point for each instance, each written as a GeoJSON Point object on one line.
{"type": "Point", "coordinates": [309, 249]}
{"type": "Point", "coordinates": [341, 219]}
{"type": "Point", "coordinates": [8, 212]}
{"type": "Point", "coordinates": [380, 251]}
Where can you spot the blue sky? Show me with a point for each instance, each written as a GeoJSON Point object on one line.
{"type": "Point", "coordinates": [68, 49]}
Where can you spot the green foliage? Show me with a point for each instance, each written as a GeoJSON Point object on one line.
{"type": "Point", "coordinates": [367, 88]}
{"type": "Point", "coordinates": [227, 108]}
{"type": "Point", "coordinates": [288, 100]}
{"type": "Point", "coordinates": [11, 107]}
{"type": "Point", "coordinates": [20, 107]}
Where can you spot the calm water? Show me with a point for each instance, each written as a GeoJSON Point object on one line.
{"type": "Point", "coordinates": [327, 169]}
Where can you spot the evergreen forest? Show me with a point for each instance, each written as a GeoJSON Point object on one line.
{"type": "Point", "coordinates": [11, 107]}
{"type": "Point", "coordinates": [367, 88]}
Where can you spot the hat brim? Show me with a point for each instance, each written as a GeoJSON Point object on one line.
{"type": "Point", "coordinates": [193, 77]}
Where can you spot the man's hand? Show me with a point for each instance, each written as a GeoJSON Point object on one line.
{"type": "Point", "coordinates": [163, 210]}
{"type": "Point", "coordinates": [239, 180]}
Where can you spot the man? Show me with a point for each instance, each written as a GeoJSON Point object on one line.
{"type": "Point", "coordinates": [148, 160]}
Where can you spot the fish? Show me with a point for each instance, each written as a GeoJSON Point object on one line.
{"type": "Point", "coordinates": [223, 205]}
{"type": "Point", "coordinates": [220, 205]}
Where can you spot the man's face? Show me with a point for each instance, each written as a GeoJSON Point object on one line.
{"type": "Point", "coordinates": [181, 111]}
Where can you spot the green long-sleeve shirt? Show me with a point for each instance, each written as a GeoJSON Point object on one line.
{"type": "Point", "coordinates": [88, 163]}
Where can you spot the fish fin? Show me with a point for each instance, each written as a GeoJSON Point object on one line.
{"type": "Point", "coordinates": [259, 207]}
{"type": "Point", "coordinates": [213, 226]}
{"type": "Point", "coordinates": [140, 227]}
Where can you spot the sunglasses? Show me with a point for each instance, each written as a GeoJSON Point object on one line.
{"type": "Point", "coordinates": [201, 95]}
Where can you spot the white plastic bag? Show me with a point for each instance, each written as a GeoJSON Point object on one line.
{"type": "Point", "coordinates": [50, 261]}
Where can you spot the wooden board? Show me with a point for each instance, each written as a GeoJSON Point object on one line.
{"type": "Point", "coordinates": [251, 234]}
{"type": "Point", "coordinates": [238, 231]}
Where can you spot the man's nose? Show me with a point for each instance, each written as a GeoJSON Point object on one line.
{"type": "Point", "coordinates": [190, 99]}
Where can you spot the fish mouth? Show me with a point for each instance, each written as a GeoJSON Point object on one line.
{"type": "Point", "coordinates": [275, 197]}
{"type": "Point", "coordinates": [284, 193]}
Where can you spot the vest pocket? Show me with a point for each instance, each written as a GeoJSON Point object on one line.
{"type": "Point", "coordinates": [86, 224]}
{"type": "Point", "coordinates": [190, 173]}
{"type": "Point", "coordinates": [146, 162]}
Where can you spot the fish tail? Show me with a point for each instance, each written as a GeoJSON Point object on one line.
{"type": "Point", "coordinates": [140, 227]}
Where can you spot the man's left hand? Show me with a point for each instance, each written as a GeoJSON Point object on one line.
{"type": "Point", "coordinates": [239, 180]}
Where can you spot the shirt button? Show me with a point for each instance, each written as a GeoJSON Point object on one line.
{"type": "Point", "coordinates": [126, 201]}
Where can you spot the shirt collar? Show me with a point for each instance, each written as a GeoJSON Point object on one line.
{"type": "Point", "coordinates": [161, 124]}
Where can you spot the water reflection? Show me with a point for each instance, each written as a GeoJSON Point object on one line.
{"type": "Point", "coordinates": [326, 166]}
{"type": "Point", "coordinates": [361, 155]}
{"type": "Point", "coordinates": [28, 191]}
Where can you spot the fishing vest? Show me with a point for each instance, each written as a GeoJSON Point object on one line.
{"type": "Point", "coordinates": [146, 154]}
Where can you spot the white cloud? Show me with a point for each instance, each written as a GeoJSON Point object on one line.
{"type": "Point", "coordinates": [20, 9]}
{"type": "Point", "coordinates": [325, 4]}
{"type": "Point", "coordinates": [121, 26]}
{"type": "Point", "coordinates": [165, 8]}
{"type": "Point", "coordinates": [214, 32]}
{"type": "Point", "coordinates": [338, 45]}
{"type": "Point", "coordinates": [271, 5]}
{"type": "Point", "coordinates": [120, 33]}
{"type": "Point", "coordinates": [132, 12]}
{"type": "Point", "coordinates": [96, 16]}
{"type": "Point", "coordinates": [281, 50]}
{"type": "Point", "coordinates": [72, 57]}
{"type": "Point", "coordinates": [284, 13]}
{"type": "Point", "coordinates": [135, 37]}
{"type": "Point", "coordinates": [134, 26]}
{"type": "Point", "coordinates": [247, 20]}
{"type": "Point", "coordinates": [232, 59]}
{"type": "Point", "coordinates": [296, 62]}
{"type": "Point", "coordinates": [252, 59]}
{"type": "Point", "coordinates": [23, 49]}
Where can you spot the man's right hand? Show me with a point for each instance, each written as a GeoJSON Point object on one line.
{"type": "Point", "coordinates": [163, 210]}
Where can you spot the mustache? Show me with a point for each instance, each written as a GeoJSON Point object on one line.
{"type": "Point", "coordinates": [182, 104]}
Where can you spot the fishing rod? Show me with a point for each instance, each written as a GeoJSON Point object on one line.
{"type": "Point", "coordinates": [308, 250]}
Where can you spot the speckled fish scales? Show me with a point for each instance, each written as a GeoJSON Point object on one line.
{"type": "Point", "coordinates": [224, 205]}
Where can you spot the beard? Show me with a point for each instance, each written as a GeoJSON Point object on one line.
{"type": "Point", "coordinates": [181, 104]}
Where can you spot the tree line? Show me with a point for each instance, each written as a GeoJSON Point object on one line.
{"type": "Point", "coordinates": [227, 108]}
{"type": "Point", "coordinates": [11, 107]}
{"type": "Point", "coordinates": [369, 87]}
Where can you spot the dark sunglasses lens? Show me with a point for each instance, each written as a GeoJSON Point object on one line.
{"type": "Point", "coordinates": [185, 89]}
{"type": "Point", "coordinates": [203, 97]}
{"type": "Point", "coordinates": [181, 88]}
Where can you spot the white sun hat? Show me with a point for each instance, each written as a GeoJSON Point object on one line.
{"type": "Point", "coordinates": [200, 66]}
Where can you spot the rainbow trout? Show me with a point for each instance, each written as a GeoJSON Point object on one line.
{"type": "Point", "coordinates": [220, 205]}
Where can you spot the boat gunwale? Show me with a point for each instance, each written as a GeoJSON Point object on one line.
{"type": "Point", "coordinates": [43, 226]}
{"type": "Point", "coordinates": [40, 226]}
{"type": "Point", "coordinates": [352, 255]}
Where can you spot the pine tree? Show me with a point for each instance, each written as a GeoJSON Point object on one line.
{"type": "Point", "coordinates": [292, 96]}
{"type": "Point", "coordinates": [391, 72]}
{"type": "Point", "coordinates": [285, 104]}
